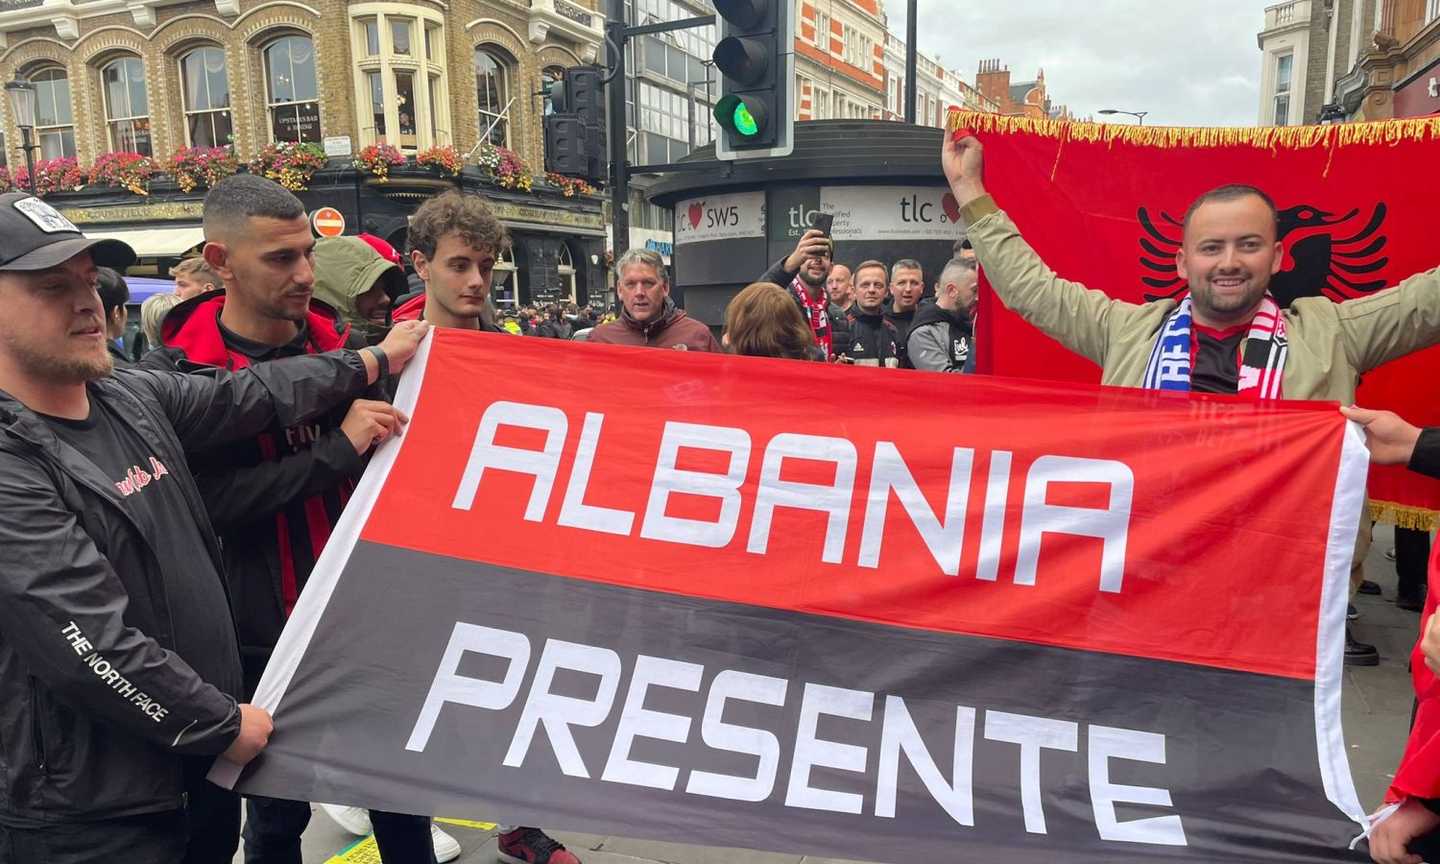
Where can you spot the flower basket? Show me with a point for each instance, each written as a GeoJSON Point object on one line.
{"type": "Point", "coordinates": [505, 168]}
{"type": "Point", "coordinates": [52, 175]}
{"type": "Point", "coordinates": [202, 167]}
{"type": "Point", "coordinates": [377, 160]}
{"type": "Point", "coordinates": [445, 160]}
{"type": "Point", "coordinates": [129, 171]}
{"type": "Point", "coordinates": [569, 186]}
{"type": "Point", "coordinates": [289, 164]}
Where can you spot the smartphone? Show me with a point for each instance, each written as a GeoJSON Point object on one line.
{"type": "Point", "coordinates": [823, 222]}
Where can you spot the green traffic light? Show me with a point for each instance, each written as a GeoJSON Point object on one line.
{"type": "Point", "coordinates": [744, 121]}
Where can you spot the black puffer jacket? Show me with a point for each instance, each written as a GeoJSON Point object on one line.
{"type": "Point", "coordinates": [76, 741]}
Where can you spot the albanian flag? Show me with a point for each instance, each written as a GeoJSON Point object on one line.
{"type": "Point", "coordinates": [1103, 205]}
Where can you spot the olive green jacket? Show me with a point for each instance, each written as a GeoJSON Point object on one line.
{"type": "Point", "coordinates": [1330, 344]}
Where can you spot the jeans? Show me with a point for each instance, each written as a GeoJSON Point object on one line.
{"type": "Point", "coordinates": [273, 827]}
{"type": "Point", "coordinates": [206, 832]}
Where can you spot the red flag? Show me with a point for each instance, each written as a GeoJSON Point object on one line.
{"type": "Point", "coordinates": [1102, 204]}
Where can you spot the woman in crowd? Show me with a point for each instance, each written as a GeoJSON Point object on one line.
{"type": "Point", "coordinates": [764, 321]}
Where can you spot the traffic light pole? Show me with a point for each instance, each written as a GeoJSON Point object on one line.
{"type": "Point", "coordinates": [911, 34]}
{"type": "Point", "coordinates": [617, 36]}
{"type": "Point", "coordinates": [615, 115]}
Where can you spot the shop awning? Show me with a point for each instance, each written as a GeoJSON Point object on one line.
{"type": "Point", "coordinates": [169, 242]}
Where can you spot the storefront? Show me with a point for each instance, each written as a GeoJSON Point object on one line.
{"type": "Point", "coordinates": [881, 180]}
{"type": "Point", "coordinates": [557, 251]}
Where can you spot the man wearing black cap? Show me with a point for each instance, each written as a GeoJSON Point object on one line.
{"type": "Point", "coordinates": [118, 663]}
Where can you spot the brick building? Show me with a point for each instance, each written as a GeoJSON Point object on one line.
{"type": "Point", "coordinates": [1020, 98]}
{"type": "Point", "coordinates": [154, 76]}
{"type": "Point", "coordinates": [936, 90]}
{"type": "Point", "coordinates": [1349, 60]}
{"type": "Point", "coordinates": [839, 59]}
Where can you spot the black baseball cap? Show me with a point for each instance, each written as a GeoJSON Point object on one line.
{"type": "Point", "coordinates": [35, 236]}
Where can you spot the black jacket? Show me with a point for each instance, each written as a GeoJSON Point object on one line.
{"type": "Point", "coordinates": [902, 322]}
{"type": "Point", "coordinates": [840, 334]}
{"type": "Point", "coordinates": [876, 341]}
{"type": "Point", "coordinates": [77, 743]}
{"type": "Point", "coordinates": [940, 340]}
{"type": "Point", "coordinates": [274, 497]}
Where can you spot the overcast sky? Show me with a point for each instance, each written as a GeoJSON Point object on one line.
{"type": "Point", "coordinates": [1187, 62]}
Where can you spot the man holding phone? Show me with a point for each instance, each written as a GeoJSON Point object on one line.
{"type": "Point", "coordinates": [804, 272]}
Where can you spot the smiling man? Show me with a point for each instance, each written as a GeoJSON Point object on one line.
{"type": "Point", "coordinates": [1227, 335]}
{"type": "Point", "coordinates": [648, 317]}
{"type": "Point", "coordinates": [807, 272]}
{"type": "Point", "coordinates": [120, 679]}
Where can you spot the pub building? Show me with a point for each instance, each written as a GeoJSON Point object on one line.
{"type": "Point", "coordinates": [96, 84]}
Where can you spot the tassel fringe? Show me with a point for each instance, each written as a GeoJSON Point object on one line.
{"type": "Point", "coordinates": [1266, 138]}
{"type": "Point", "coordinates": [1403, 515]}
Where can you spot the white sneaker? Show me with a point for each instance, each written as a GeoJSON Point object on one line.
{"type": "Point", "coordinates": [447, 848]}
{"type": "Point", "coordinates": [356, 820]}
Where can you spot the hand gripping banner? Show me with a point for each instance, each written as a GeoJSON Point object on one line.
{"type": "Point", "coordinates": [1103, 205]}
{"type": "Point", "coordinates": [847, 612]}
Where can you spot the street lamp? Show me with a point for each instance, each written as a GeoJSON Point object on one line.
{"type": "Point", "coordinates": [22, 100]}
{"type": "Point", "coordinates": [1138, 115]}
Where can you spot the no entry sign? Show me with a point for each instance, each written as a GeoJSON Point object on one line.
{"type": "Point", "coordinates": [328, 222]}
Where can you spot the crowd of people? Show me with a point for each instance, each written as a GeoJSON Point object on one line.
{"type": "Point", "coordinates": [158, 523]}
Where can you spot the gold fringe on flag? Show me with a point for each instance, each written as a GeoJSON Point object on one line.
{"type": "Point", "coordinates": [1403, 515]}
{"type": "Point", "coordinates": [1262, 137]}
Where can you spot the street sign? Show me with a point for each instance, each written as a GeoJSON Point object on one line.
{"type": "Point", "coordinates": [328, 222]}
{"type": "Point", "coordinates": [338, 146]}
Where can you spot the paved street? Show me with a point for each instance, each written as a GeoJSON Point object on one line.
{"type": "Point", "coordinates": [1377, 710]}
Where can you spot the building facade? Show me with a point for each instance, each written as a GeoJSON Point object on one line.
{"type": "Point", "coordinates": [1020, 99]}
{"type": "Point", "coordinates": [1349, 60]}
{"type": "Point", "coordinates": [839, 59]}
{"type": "Point", "coordinates": [937, 88]}
{"type": "Point", "coordinates": [157, 76]}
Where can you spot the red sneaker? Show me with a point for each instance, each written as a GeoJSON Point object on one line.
{"type": "Point", "coordinates": [532, 846]}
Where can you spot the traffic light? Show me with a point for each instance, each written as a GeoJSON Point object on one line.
{"type": "Point", "coordinates": [575, 126]}
{"type": "Point", "coordinates": [756, 59]}
{"type": "Point", "coordinates": [566, 146]}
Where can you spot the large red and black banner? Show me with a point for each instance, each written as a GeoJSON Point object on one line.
{"type": "Point", "coordinates": [1104, 204]}
{"type": "Point", "coordinates": [850, 612]}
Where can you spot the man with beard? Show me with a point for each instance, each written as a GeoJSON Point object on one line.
{"type": "Point", "coordinates": [805, 273]}
{"type": "Point", "coordinates": [357, 280]}
{"type": "Point", "coordinates": [942, 337]}
{"type": "Point", "coordinates": [118, 661]}
{"type": "Point", "coordinates": [875, 341]}
{"type": "Point", "coordinates": [1227, 335]}
{"type": "Point", "coordinates": [648, 317]}
{"type": "Point", "coordinates": [276, 497]}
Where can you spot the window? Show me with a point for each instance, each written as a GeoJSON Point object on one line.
{"type": "Point", "coordinates": [405, 101]}
{"type": "Point", "coordinates": [290, 93]}
{"type": "Point", "coordinates": [822, 31]}
{"type": "Point", "coordinates": [54, 125]}
{"type": "Point", "coordinates": [375, 86]}
{"type": "Point", "coordinates": [127, 110]}
{"type": "Point", "coordinates": [1432, 10]}
{"type": "Point", "coordinates": [372, 36]}
{"type": "Point", "coordinates": [432, 42]}
{"type": "Point", "coordinates": [205, 90]}
{"type": "Point", "coordinates": [1283, 65]}
{"type": "Point", "coordinates": [492, 86]}
{"type": "Point", "coordinates": [400, 79]}
{"type": "Point", "coordinates": [400, 35]}
{"type": "Point", "coordinates": [549, 77]}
